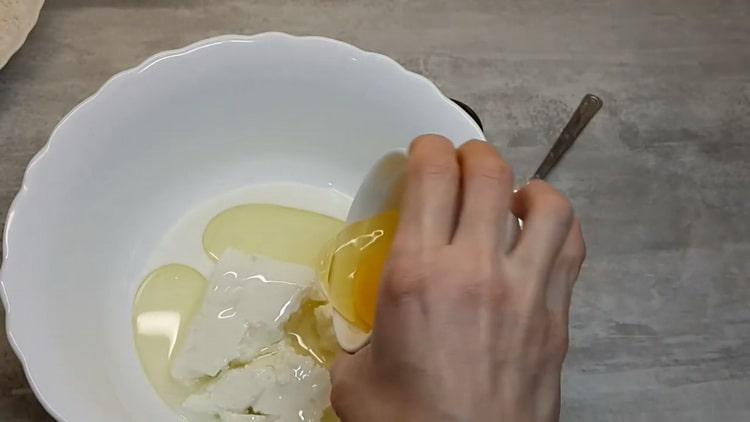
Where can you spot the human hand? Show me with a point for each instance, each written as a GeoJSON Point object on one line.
{"type": "Point", "coordinates": [470, 325]}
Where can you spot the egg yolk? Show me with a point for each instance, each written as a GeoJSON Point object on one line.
{"type": "Point", "coordinates": [351, 266]}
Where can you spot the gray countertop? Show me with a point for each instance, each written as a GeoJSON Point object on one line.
{"type": "Point", "coordinates": [661, 322]}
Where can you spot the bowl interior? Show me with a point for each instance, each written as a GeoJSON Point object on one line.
{"type": "Point", "coordinates": [154, 143]}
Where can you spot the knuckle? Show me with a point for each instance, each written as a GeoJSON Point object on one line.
{"type": "Point", "coordinates": [574, 251]}
{"type": "Point", "coordinates": [431, 140]}
{"type": "Point", "coordinates": [432, 156]}
{"type": "Point", "coordinates": [471, 143]}
{"type": "Point", "coordinates": [440, 168]}
{"type": "Point", "coordinates": [480, 159]}
{"type": "Point", "coordinates": [500, 294]}
{"type": "Point", "coordinates": [578, 253]}
{"type": "Point", "coordinates": [557, 203]}
{"type": "Point", "coordinates": [476, 147]}
{"type": "Point", "coordinates": [401, 288]}
{"type": "Point", "coordinates": [580, 242]}
{"type": "Point", "coordinates": [583, 251]}
{"type": "Point", "coordinates": [402, 278]}
{"type": "Point", "coordinates": [443, 168]}
{"type": "Point", "coordinates": [544, 196]}
{"type": "Point", "coordinates": [494, 170]}
{"type": "Point", "coordinates": [558, 344]}
{"type": "Point", "coordinates": [470, 291]}
{"type": "Point", "coordinates": [476, 280]}
{"type": "Point", "coordinates": [575, 254]}
{"type": "Point", "coordinates": [557, 208]}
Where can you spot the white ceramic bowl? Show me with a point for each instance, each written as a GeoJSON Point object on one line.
{"type": "Point", "coordinates": [156, 141]}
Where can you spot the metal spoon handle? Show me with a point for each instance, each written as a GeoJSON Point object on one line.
{"type": "Point", "coordinates": [590, 105]}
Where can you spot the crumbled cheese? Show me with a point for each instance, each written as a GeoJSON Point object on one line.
{"type": "Point", "coordinates": [247, 301]}
{"type": "Point", "coordinates": [282, 386]}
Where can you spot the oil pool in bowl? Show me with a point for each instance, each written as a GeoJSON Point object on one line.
{"type": "Point", "coordinates": [171, 295]}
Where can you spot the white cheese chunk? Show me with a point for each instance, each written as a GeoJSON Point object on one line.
{"type": "Point", "coordinates": [282, 386]}
{"type": "Point", "coordinates": [247, 301]}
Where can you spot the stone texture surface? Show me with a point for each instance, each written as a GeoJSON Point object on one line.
{"type": "Point", "coordinates": [661, 326]}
